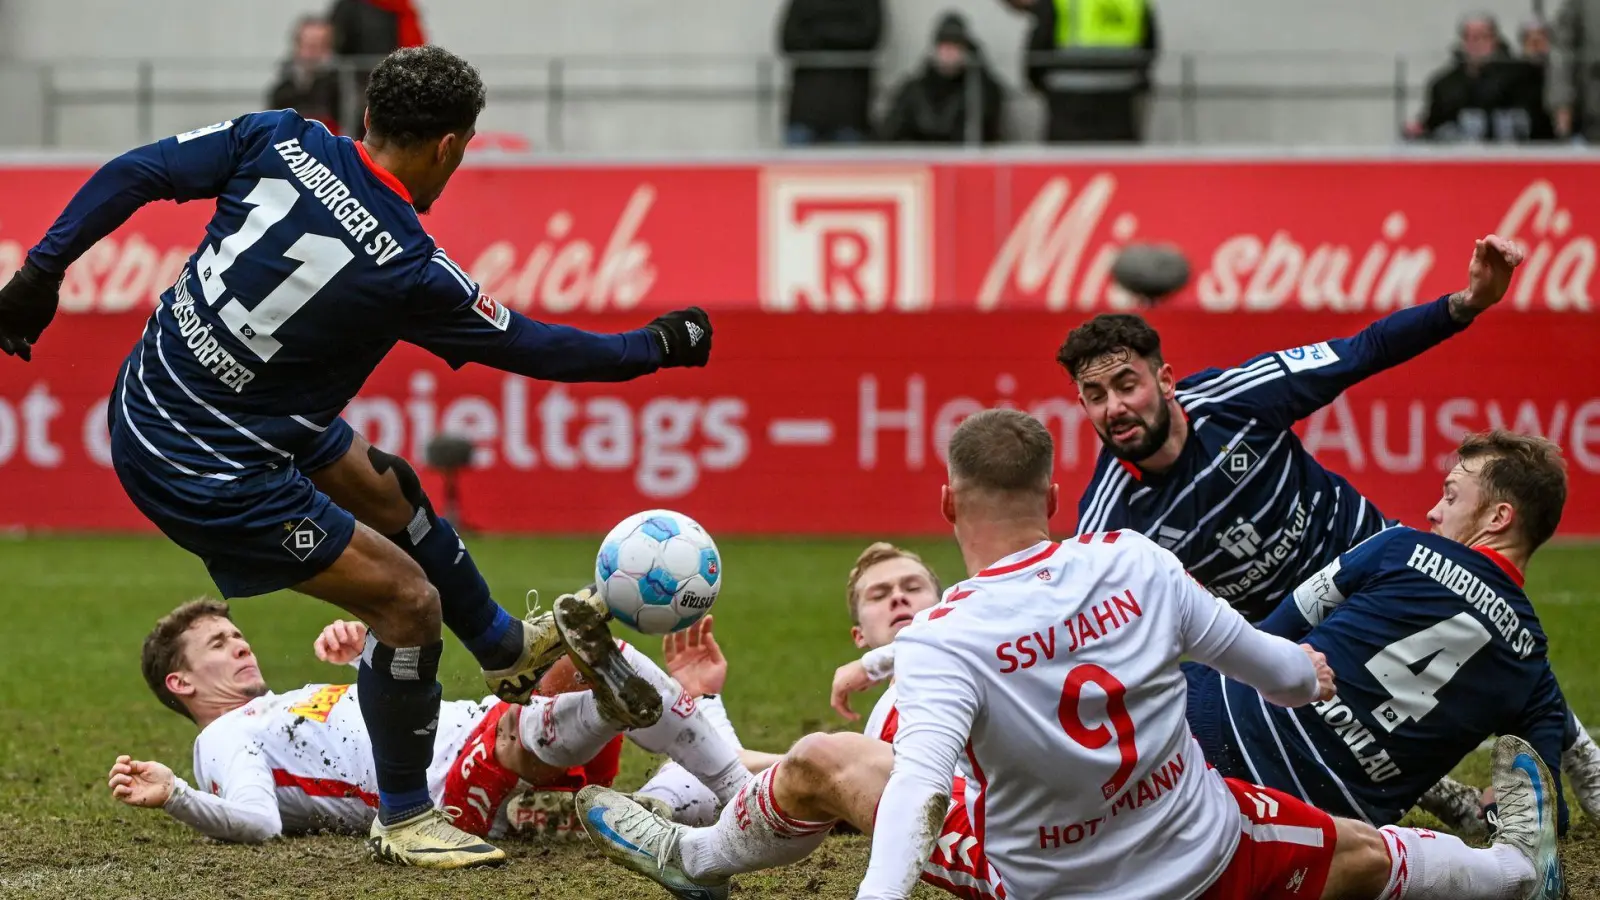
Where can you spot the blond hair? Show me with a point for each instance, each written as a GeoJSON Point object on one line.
{"type": "Point", "coordinates": [880, 551]}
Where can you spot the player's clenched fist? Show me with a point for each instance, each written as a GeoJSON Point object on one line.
{"type": "Point", "coordinates": [1324, 672]}
{"type": "Point", "coordinates": [27, 304]}
{"type": "Point", "coordinates": [139, 783]}
{"type": "Point", "coordinates": [341, 643]}
{"type": "Point", "coordinates": [685, 336]}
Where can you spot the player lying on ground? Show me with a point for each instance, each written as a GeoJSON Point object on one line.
{"type": "Point", "coordinates": [1451, 603]}
{"type": "Point", "coordinates": [267, 764]}
{"type": "Point", "coordinates": [224, 420]}
{"type": "Point", "coordinates": [1208, 467]}
{"type": "Point", "coordinates": [1085, 780]}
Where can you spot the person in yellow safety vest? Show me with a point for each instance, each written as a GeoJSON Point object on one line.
{"type": "Point", "coordinates": [1091, 60]}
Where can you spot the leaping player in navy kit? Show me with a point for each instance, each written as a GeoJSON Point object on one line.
{"type": "Point", "coordinates": [225, 418]}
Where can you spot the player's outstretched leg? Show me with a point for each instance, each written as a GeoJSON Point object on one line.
{"type": "Point", "coordinates": [621, 694]}
{"type": "Point", "coordinates": [569, 729]}
{"type": "Point", "coordinates": [398, 690]}
{"type": "Point", "coordinates": [382, 490]}
{"type": "Point", "coordinates": [1526, 795]}
{"type": "Point", "coordinates": [1522, 864]}
{"type": "Point", "coordinates": [779, 817]}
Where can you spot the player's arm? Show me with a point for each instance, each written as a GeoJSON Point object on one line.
{"type": "Point", "coordinates": [1284, 387]}
{"type": "Point", "coordinates": [875, 666]}
{"type": "Point", "coordinates": [185, 167]}
{"type": "Point", "coordinates": [1213, 633]}
{"type": "Point", "coordinates": [245, 812]}
{"type": "Point", "coordinates": [190, 166]}
{"type": "Point", "coordinates": [452, 319]}
{"type": "Point", "coordinates": [938, 703]}
{"type": "Point", "coordinates": [1323, 592]}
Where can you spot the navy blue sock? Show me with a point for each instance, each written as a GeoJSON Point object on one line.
{"type": "Point", "coordinates": [398, 689]}
{"type": "Point", "coordinates": [489, 632]}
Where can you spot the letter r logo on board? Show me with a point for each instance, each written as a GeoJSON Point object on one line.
{"type": "Point", "coordinates": [839, 239]}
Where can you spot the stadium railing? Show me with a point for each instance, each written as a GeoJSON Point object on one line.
{"type": "Point", "coordinates": [720, 103]}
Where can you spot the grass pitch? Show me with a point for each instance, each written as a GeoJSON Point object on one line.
{"type": "Point", "coordinates": [74, 610]}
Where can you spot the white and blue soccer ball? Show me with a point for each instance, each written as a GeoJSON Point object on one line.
{"type": "Point", "coordinates": [659, 571]}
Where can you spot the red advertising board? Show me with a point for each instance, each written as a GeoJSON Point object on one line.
{"type": "Point", "coordinates": [825, 424]}
{"type": "Point", "coordinates": [959, 278]}
{"type": "Point", "coordinates": [1263, 236]}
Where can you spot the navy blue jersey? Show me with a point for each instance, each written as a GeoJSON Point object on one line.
{"type": "Point", "coordinates": [1245, 507]}
{"type": "Point", "coordinates": [314, 265]}
{"type": "Point", "coordinates": [1435, 648]}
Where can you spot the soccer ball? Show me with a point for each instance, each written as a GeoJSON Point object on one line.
{"type": "Point", "coordinates": [659, 571]}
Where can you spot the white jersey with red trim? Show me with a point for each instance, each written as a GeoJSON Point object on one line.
{"type": "Point", "coordinates": [884, 720]}
{"type": "Point", "coordinates": [1055, 673]}
{"type": "Point", "coordinates": [311, 747]}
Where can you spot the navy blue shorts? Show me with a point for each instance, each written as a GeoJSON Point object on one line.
{"type": "Point", "coordinates": [259, 533]}
{"type": "Point", "coordinates": [1207, 721]}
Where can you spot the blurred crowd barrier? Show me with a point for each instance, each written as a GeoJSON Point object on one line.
{"type": "Point", "coordinates": [718, 104]}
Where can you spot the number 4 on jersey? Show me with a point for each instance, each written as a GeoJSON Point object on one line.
{"type": "Point", "coordinates": [321, 258]}
{"type": "Point", "coordinates": [1447, 646]}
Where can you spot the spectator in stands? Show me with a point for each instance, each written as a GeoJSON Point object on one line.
{"type": "Point", "coordinates": [308, 83]}
{"type": "Point", "coordinates": [1091, 59]}
{"type": "Point", "coordinates": [954, 96]}
{"type": "Point", "coordinates": [1534, 39]}
{"type": "Point", "coordinates": [365, 31]}
{"type": "Point", "coordinates": [1485, 94]}
{"type": "Point", "coordinates": [1573, 75]}
{"type": "Point", "coordinates": [830, 83]}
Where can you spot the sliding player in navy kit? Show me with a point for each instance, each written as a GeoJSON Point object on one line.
{"type": "Point", "coordinates": [224, 419]}
{"type": "Point", "coordinates": [1433, 643]}
{"type": "Point", "coordinates": [1209, 467]}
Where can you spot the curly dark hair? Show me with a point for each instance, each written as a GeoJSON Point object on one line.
{"type": "Point", "coordinates": [420, 94]}
{"type": "Point", "coordinates": [1107, 333]}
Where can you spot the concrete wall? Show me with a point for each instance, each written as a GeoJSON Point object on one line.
{"type": "Point", "coordinates": [222, 52]}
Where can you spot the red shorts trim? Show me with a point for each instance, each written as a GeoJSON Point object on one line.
{"type": "Point", "coordinates": [1285, 848]}
{"type": "Point", "coordinates": [477, 785]}
{"type": "Point", "coordinates": [958, 865]}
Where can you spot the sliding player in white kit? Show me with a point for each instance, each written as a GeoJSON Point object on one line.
{"type": "Point", "coordinates": [269, 764]}
{"type": "Point", "coordinates": [1054, 671]}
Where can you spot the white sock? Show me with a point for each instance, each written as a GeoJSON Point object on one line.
{"type": "Point", "coordinates": [565, 730]}
{"type": "Point", "coordinates": [1427, 865]}
{"type": "Point", "coordinates": [711, 707]}
{"type": "Point", "coordinates": [750, 835]}
{"type": "Point", "coordinates": [691, 801]}
{"type": "Point", "coordinates": [687, 736]}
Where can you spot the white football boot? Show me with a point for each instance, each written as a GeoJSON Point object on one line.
{"type": "Point", "coordinates": [1526, 795]}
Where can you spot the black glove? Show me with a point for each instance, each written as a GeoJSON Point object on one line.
{"type": "Point", "coordinates": [27, 304]}
{"type": "Point", "coordinates": [685, 336]}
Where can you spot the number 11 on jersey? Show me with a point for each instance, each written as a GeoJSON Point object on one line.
{"type": "Point", "coordinates": [321, 258]}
